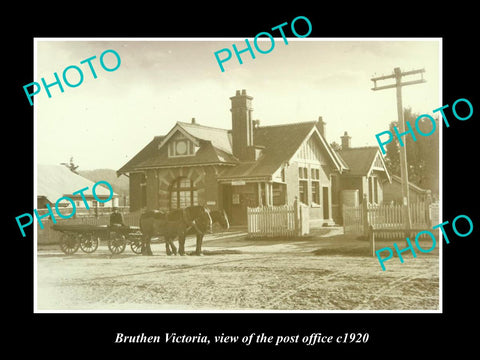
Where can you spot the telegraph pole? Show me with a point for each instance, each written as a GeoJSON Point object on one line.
{"type": "Point", "coordinates": [397, 75]}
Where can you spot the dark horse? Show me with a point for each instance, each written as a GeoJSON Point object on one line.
{"type": "Point", "coordinates": [179, 223]}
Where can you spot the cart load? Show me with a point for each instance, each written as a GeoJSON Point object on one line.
{"type": "Point", "coordinates": [87, 237]}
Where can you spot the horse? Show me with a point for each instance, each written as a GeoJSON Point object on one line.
{"type": "Point", "coordinates": [217, 216]}
{"type": "Point", "coordinates": [155, 223]}
{"type": "Point", "coordinates": [220, 217]}
{"type": "Point", "coordinates": [175, 223]}
{"type": "Point", "coordinates": [196, 220]}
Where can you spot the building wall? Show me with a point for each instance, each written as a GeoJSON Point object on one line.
{"type": "Point", "coordinates": [361, 183]}
{"type": "Point", "coordinates": [364, 189]}
{"type": "Point", "coordinates": [242, 196]}
{"type": "Point", "coordinates": [212, 193]}
{"type": "Point", "coordinates": [380, 191]}
{"type": "Point", "coordinates": [152, 189]}
{"type": "Point", "coordinates": [316, 210]}
{"type": "Point", "coordinates": [336, 198]}
{"type": "Point", "coordinates": [291, 180]}
{"type": "Point", "coordinates": [352, 183]}
{"type": "Point", "coordinates": [393, 192]}
{"type": "Point", "coordinates": [135, 180]}
{"type": "Point", "coordinates": [311, 155]}
{"type": "Point", "coordinates": [159, 183]}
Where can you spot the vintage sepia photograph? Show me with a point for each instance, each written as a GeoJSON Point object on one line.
{"type": "Point", "coordinates": [293, 180]}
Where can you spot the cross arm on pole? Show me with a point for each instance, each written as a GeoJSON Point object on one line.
{"type": "Point", "coordinates": [398, 75]}
{"type": "Point", "coordinates": [413, 82]}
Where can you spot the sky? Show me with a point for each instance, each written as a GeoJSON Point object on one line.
{"type": "Point", "coordinates": [106, 121]}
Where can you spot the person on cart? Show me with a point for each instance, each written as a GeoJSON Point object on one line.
{"type": "Point", "coordinates": [116, 219]}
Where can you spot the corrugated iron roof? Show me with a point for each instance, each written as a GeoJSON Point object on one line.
{"type": "Point", "coordinates": [216, 149]}
{"type": "Point", "coordinates": [220, 138]}
{"type": "Point", "coordinates": [207, 154]}
{"type": "Point", "coordinates": [55, 181]}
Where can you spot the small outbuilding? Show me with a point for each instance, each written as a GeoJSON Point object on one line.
{"type": "Point", "coordinates": [56, 181]}
{"type": "Point", "coordinates": [392, 192]}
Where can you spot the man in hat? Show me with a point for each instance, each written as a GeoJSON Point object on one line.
{"type": "Point", "coordinates": [116, 219]}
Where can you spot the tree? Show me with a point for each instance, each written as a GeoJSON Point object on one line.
{"type": "Point", "coordinates": [335, 146]}
{"type": "Point", "coordinates": [422, 154]}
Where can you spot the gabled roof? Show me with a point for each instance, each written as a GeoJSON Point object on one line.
{"type": "Point", "coordinates": [215, 148]}
{"type": "Point", "coordinates": [220, 138]}
{"type": "Point", "coordinates": [360, 160]}
{"type": "Point", "coordinates": [148, 151]}
{"type": "Point", "coordinates": [55, 181]}
{"type": "Point", "coordinates": [280, 143]}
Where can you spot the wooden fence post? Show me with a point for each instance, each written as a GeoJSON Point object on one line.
{"type": "Point", "coordinates": [296, 207]}
{"type": "Point", "coordinates": [428, 203]}
{"type": "Point", "coordinates": [365, 215]}
{"type": "Point", "coordinates": [371, 239]}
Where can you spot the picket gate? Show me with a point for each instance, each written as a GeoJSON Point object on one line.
{"type": "Point", "coordinates": [273, 221]}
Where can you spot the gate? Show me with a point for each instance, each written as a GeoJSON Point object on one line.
{"type": "Point", "coordinates": [352, 220]}
{"type": "Point", "coordinates": [271, 221]}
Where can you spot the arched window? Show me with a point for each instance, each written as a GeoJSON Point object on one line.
{"type": "Point", "coordinates": [183, 193]}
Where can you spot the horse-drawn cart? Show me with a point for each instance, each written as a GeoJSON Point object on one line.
{"type": "Point", "coordinates": [87, 237]}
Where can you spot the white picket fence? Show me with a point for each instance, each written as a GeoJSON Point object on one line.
{"type": "Point", "coordinates": [389, 217]}
{"type": "Point", "coordinates": [273, 221]}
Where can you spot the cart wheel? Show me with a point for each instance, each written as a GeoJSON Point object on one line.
{"type": "Point", "coordinates": [136, 246]}
{"type": "Point", "coordinates": [117, 243]}
{"type": "Point", "coordinates": [69, 243]}
{"type": "Point", "coordinates": [88, 243]}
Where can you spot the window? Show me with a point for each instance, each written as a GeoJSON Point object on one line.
{"type": "Point", "coordinates": [303, 184]}
{"type": "Point", "coordinates": [278, 194]}
{"type": "Point", "coordinates": [180, 147]}
{"type": "Point", "coordinates": [303, 173]}
{"type": "Point", "coordinates": [183, 194]}
{"type": "Point", "coordinates": [143, 190]}
{"type": "Point", "coordinates": [316, 192]}
{"type": "Point", "coordinates": [303, 191]}
{"type": "Point", "coordinates": [375, 190]}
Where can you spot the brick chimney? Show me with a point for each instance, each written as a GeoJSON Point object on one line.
{"type": "Point", "coordinates": [242, 125]}
{"type": "Point", "coordinates": [322, 127]}
{"type": "Point", "coordinates": [345, 141]}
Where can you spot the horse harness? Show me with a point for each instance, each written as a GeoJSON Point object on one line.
{"type": "Point", "coordinates": [192, 223]}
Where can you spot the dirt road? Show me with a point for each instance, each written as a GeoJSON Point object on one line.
{"type": "Point", "coordinates": [327, 272]}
